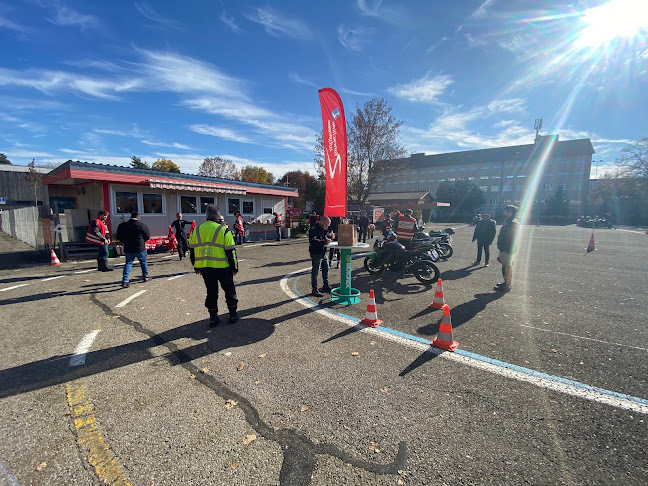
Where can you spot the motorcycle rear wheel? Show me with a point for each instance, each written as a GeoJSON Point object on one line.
{"type": "Point", "coordinates": [372, 267]}
{"type": "Point", "coordinates": [446, 251]}
{"type": "Point", "coordinates": [425, 272]}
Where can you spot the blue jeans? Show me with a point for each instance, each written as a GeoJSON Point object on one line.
{"type": "Point", "coordinates": [130, 258]}
{"type": "Point", "coordinates": [319, 261]}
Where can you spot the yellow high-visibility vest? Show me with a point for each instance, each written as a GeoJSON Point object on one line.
{"type": "Point", "coordinates": [209, 242]}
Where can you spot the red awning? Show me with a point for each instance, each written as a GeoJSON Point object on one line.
{"type": "Point", "coordinates": [191, 186]}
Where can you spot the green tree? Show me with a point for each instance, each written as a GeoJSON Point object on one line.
{"type": "Point", "coordinates": [4, 159]}
{"type": "Point", "coordinates": [218, 167]}
{"type": "Point", "coordinates": [34, 179]}
{"type": "Point", "coordinates": [258, 175]}
{"type": "Point", "coordinates": [136, 163]}
{"type": "Point", "coordinates": [558, 203]}
{"type": "Point", "coordinates": [374, 151]}
{"type": "Point", "coordinates": [316, 193]}
{"type": "Point", "coordinates": [300, 180]}
{"type": "Point", "coordinates": [165, 165]}
{"type": "Point", "coordinates": [464, 197]}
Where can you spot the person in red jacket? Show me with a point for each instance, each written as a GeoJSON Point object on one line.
{"type": "Point", "coordinates": [405, 228]}
{"type": "Point", "coordinates": [278, 223]}
{"type": "Point", "coordinates": [239, 229]}
{"type": "Point", "coordinates": [96, 235]}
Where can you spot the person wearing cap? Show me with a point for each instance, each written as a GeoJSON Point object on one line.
{"type": "Point", "coordinates": [405, 228]}
{"type": "Point", "coordinates": [213, 255]}
{"type": "Point", "coordinates": [134, 236]}
{"type": "Point", "coordinates": [507, 245]}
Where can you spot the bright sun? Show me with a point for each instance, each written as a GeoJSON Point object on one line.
{"type": "Point", "coordinates": [616, 18]}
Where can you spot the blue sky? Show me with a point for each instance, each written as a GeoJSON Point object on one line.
{"type": "Point", "coordinates": [102, 81]}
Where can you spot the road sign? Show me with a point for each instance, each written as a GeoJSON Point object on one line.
{"type": "Point", "coordinates": [3, 200]}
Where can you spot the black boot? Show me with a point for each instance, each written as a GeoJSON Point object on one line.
{"type": "Point", "coordinates": [213, 318]}
{"type": "Point", "coordinates": [234, 317]}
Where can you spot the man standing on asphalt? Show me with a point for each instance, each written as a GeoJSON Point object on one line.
{"type": "Point", "coordinates": [213, 255]}
{"type": "Point", "coordinates": [134, 236]}
{"type": "Point", "coordinates": [405, 228]}
{"type": "Point", "coordinates": [318, 236]}
{"type": "Point", "coordinates": [484, 234]}
{"type": "Point", "coordinates": [363, 224]}
{"type": "Point", "coordinates": [96, 234]}
{"type": "Point", "coordinates": [278, 223]}
{"type": "Point", "coordinates": [180, 234]}
{"type": "Point", "coordinates": [507, 245]}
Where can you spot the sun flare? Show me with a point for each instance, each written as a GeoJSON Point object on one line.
{"type": "Point", "coordinates": [616, 18]}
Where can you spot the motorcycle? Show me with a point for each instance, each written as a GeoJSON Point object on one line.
{"type": "Point", "coordinates": [443, 240]}
{"type": "Point", "coordinates": [392, 255]}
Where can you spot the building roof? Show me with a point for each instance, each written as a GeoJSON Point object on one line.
{"type": "Point", "coordinates": [517, 153]}
{"type": "Point", "coordinates": [397, 196]}
{"type": "Point", "coordinates": [72, 172]}
{"type": "Point", "coordinates": [22, 168]}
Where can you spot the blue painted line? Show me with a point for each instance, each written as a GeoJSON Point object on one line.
{"type": "Point", "coordinates": [479, 357]}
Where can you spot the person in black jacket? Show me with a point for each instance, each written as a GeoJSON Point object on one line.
{"type": "Point", "coordinates": [180, 234]}
{"type": "Point", "coordinates": [363, 224]}
{"type": "Point", "coordinates": [318, 236]}
{"type": "Point", "coordinates": [507, 245]}
{"type": "Point", "coordinates": [484, 234]}
{"type": "Point", "coordinates": [134, 235]}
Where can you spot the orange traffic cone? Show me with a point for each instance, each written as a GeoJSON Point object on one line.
{"type": "Point", "coordinates": [371, 318]}
{"type": "Point", "coordinates": [54, 259]}
{"type": "Point", "coordinates": [443, 340]}
{"type": "Point", "coordinates": [439, 300]}
{"type": "Point", "coordinates": [590, 247]}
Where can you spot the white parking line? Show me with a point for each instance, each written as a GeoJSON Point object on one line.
{"type": "Point", "coordinates": [583, 337]}
{"type": "Point", "coordinates": [176, 276]}
{"type": "Point", "coordinates": [51, 278]}
{"type": "Point", "coordinates": [86, 271]}
{"type": "Point", "coordinates": [14, 287]}
{"type": "Point", "coordinates": [79, 356]}
{"type": "Point", "coordinates": [126, 301]}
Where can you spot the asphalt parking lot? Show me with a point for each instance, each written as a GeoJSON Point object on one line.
{"type": "Point", "coordinates": [548, 384]}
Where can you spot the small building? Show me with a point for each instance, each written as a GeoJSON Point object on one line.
{"type": "Point", "coordinates": [416, 201]}
{"type": "Point", "coordinates": [14, 189]}
{"type": "Point", "coordinates": [158, 196]}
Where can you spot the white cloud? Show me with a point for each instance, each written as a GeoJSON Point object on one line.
{"type": "Point", "coordinates": [8, 24]}
{"type": "Point", "coordinates": [65, 17]}
{"type": "Point", "coordinates": [507, 105]}
{"type": "Point", "coordinates": [474, 42]}
{"type": "Point", "coordinates": [353, 39]}
{"type": "Point", "coordinates": [424, 90]}
{"type": "Point", "coordinates": [150, 13]}
{"type": "Point", "coordinates": [224, 133]}
{"type": "Point", "coordinates": [277, 24]}
{"type": "Point", "coordinates": [230, 22]}
{"type": "Point", "coordinates": [298, 79]}
{"type": "Point", "coordinates": [482, 10]}
{"type": "Point", "coordinates": [369, 10]}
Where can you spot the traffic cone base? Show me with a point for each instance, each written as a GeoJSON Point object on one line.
{"type": "Point", "coordinates": [439, 299]}
{"type": "Point", "coordinates": [444, 340]}
{"type": "Point", "coordinates": [54, 261]}
{"type": "Point", "coordinates": [590, 246]}
{"type": "Point", "coordinates": [371, 318]}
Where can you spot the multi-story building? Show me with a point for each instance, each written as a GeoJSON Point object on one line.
{"type": "Point", "coordinates": [506, 175]}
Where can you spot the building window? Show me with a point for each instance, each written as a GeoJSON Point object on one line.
{"type": "Point", "coordinates": [204, 202]}
{"type": "Point", "coordinates": [267, 210]}
{"type": "Point", "coordinates": [430, 180]}
{"type": "Point", "coordinates": [188, 205]}
{"type": "Point", "coordinates": [494, 188]}
{"type": "Point", "coordinates": [471, 178]}
{"type": "Point", "coordinates": [126, 202]}
{"type": "Point", "coordinates": [497, 166]}
{"type": "Point", "coordinates": [521, 175]}
{"type": "Point", "coordinates": [577, 186]}
{"type": "Point", "coordinates": [509, 177]}
{"type": "Point", "coordinates": [432, 171]}
{"type": "Point", "coordinates": [452, 169]}
{"type": "Point", "coordinates": [441, 170]}
{"type": "Point", "coordinates": [485, 167]}
{"type": "Point", "coordinates": [519, 187]}
{"type": "Point", "coordinates": [462, 168]}
{"type": "Point", "coordinates": [474, 167]}
{"type": "Point", "coordinates": [248, 207]}
{"type": "Point", "coordinates": [451, 179]}
{"type": "Point", "coordinates": [496, 177]}
{"type": "Point", "coordinates": [152, 203]}
{"type": "Point", "coordinates": [484, 188]}
{"type": "Point", "coordinates": [507, 188]}
{"type": "Point", "coordinates": [493, 201]}
{"type": "Point", "coordinates": [508, 166]}
{"type": "Point", "coordinates": [546, 187]}
{"type": "Point", "coordinates": [441, 180]}
{"type": "Point", "coordinates": [483, 177]}
{"type": "Point", "coordinates": [421, 172]}
{"type": "Point", "coordinates": [548, 174]}
{"type": "Point", "coordinates": [233, 205]}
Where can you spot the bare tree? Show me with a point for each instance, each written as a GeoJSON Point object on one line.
{"type": "Point", "coordinates": [374, 151]}
{"type": "Point", "coordinates": [34, 179]}
{"type": "Point", "coordinates": [634, 159]}
{"type": "Point", "coordinates": [218, 167]}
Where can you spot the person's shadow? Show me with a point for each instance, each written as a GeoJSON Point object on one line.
{"type": "Point", "coordinates": [463, 312]}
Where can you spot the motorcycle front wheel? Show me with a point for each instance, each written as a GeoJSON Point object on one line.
{"type": "Point", "coordinates": [425, 272]}
{"type": "Point", "coordinates": [446, 251]}
{"type": "Point", "coordinates": [372, 266]}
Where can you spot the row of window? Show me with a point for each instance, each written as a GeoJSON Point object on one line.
{"type": "Point", "coordinates": [452, 179]}
{"type": "Point", "coordinates": [127, 202]}
{"type": "Point", "coordinates": [507, 165]}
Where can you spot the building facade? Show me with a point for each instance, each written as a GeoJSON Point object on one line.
{"type": "Point", "coordinates": [506, 175]}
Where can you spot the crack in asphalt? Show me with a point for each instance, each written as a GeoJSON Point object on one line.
{"type": "Point", "coordinates": [298, 450]}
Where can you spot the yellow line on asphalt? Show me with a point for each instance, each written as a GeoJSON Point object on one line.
{"type": "Point", "coordinates": [89, 437]}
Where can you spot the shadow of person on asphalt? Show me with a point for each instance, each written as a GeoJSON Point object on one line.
{"type": "Point", "coordinates": [424, 357]}
{"type": "Point", "coordinates": [463, 312]}
{"type": "Point", "coordinates": [458, 273]}
{"type": "Point", "coordinates": [281, 264]}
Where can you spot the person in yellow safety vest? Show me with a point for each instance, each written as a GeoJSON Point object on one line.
{"type": "Point", "coordinates": [405, 228]}
{"type": "Point", "coordinates": [96, 235]}
{"type": "Point", "coordinates": [213, 255]}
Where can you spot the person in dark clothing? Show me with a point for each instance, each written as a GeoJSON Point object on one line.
{"type": "Point", "coordinates": [318, 237]}
{"type": "Point", "coordinates": [313, 219]}
{"type": "Point", "coordinates": [484, 234]}
{"type": "Point", "coordinates": [333, 231]}
{"type": "Point", "coordinates": [180, 234]}
{"type": "Point", "coordinates": [134, 236]}
{"type": "Point", "coordinates": [363, 224]}
{"type": "Point", "coordinates": [507, 245]}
